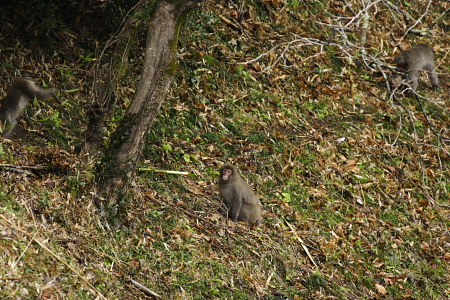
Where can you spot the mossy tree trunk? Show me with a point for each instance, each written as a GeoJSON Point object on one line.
{"type": "Point", "coordinates": [109, 78]}
{"type": "Point", "coordinates": [158, 69]}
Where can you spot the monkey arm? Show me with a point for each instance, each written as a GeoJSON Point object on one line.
{"type": "Point", "coordinates": [431, 67]}
{"type": "Point", "coordinates": [236, 206]}
{"type": "Point", "coordinates": [434, 79]}
{"type": "Point", "coordinates": [413, 77]}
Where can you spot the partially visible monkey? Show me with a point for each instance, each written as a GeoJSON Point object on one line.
{"type": "Point", "coordinates": [19, 96]}
{"type": "Point", "coordinates": [238, 196]}
{"type": "Point", "coordinates": [413, 60]}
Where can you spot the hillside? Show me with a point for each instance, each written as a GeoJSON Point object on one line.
{"type": "Point", "coordinates": [353, 180]}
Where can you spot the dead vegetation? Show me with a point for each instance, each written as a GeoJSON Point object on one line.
{"type": "Point", "coordinates": [353, 182]}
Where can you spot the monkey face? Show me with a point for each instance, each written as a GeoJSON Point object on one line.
{"type": "Point", "coordinates": [226, 173]}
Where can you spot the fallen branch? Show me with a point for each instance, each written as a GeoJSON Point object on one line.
{"type": "Point", "coordinates": [302, 243]}
{"type": "Point", "coordinates": [23, 167]}
{"type": "Point", "coordinates": [143, 288]}
{"type": "Point", "coordinates": [164, 171]}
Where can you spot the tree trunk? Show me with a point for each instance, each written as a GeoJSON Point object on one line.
{"type": "Point", "coordinates": [108, 80]}
{"type": "Point", "coordinates": [158, 70]}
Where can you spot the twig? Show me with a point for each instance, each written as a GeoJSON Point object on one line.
{"type": "Point", "coordinates": [143, 288]}
{"type": "Point", "coordinates": [57, 258]}
{"type": "Point", "coordinates": [411, 28]}
{"type": "Point", "coordinates": [428, 121]}
{"type": "Point", "coordinates": [302, 243]}
{"type": "Point", "coordinates": [23, 167]}
{"type": "Point", "coordinates": [164, 171]}
{"type": "Point", "coordinates": [439, 18]}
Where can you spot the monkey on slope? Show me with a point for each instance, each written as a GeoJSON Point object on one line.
{"type": "Point", "coordinates": [238, 196]}
{"type": "Point", "coordinates": [413, 60]}
{"type": "Point", "coordinates": [19, 96]}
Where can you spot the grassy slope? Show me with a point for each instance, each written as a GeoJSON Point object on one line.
{"type": "Point", "coordinates": [356, 179]}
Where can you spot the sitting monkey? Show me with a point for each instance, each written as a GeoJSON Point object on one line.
{"type": "Point", "coordinates": [238, 196]}
{"type": "Point", "coordinates": [413, 60]}
{"type": "Point", "coordinates": [19, 96]}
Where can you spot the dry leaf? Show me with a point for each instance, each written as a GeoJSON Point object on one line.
{"type": "Point", "coordinates": [381, 289]}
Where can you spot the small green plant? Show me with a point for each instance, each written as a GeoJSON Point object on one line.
{"type": "Point", "coordinates": [88, 57]}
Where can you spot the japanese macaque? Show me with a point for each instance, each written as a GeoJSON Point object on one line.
{"type": "Point", "coordinates": [413, 60]}
{"type": "Point", "coordinates": [238, 196]}
{"type": "Point", "coordinates": [19, 96]}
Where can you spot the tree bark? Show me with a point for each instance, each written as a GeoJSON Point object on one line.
{"type": "Point", "coordinates": [158, 70]}
{"type": "Point", "coordinates": [108, 80]}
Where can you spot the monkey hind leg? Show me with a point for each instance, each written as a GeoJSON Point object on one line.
{"type": "Point", "coordinates": [434, 79]}
{"type": "Point", "coordinates": [413, 79]}
{"type": "Point", "coordinates": [8, 127]}
{"type": "Point", "coordinates": [250, 214]}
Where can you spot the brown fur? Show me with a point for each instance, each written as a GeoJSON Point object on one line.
{"type": "Point", "coordinates": [238, 196]}
{"type": "Point", "coordinates": [413, 60]}
{"type": "Point", "coordinates": [18, 97]}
